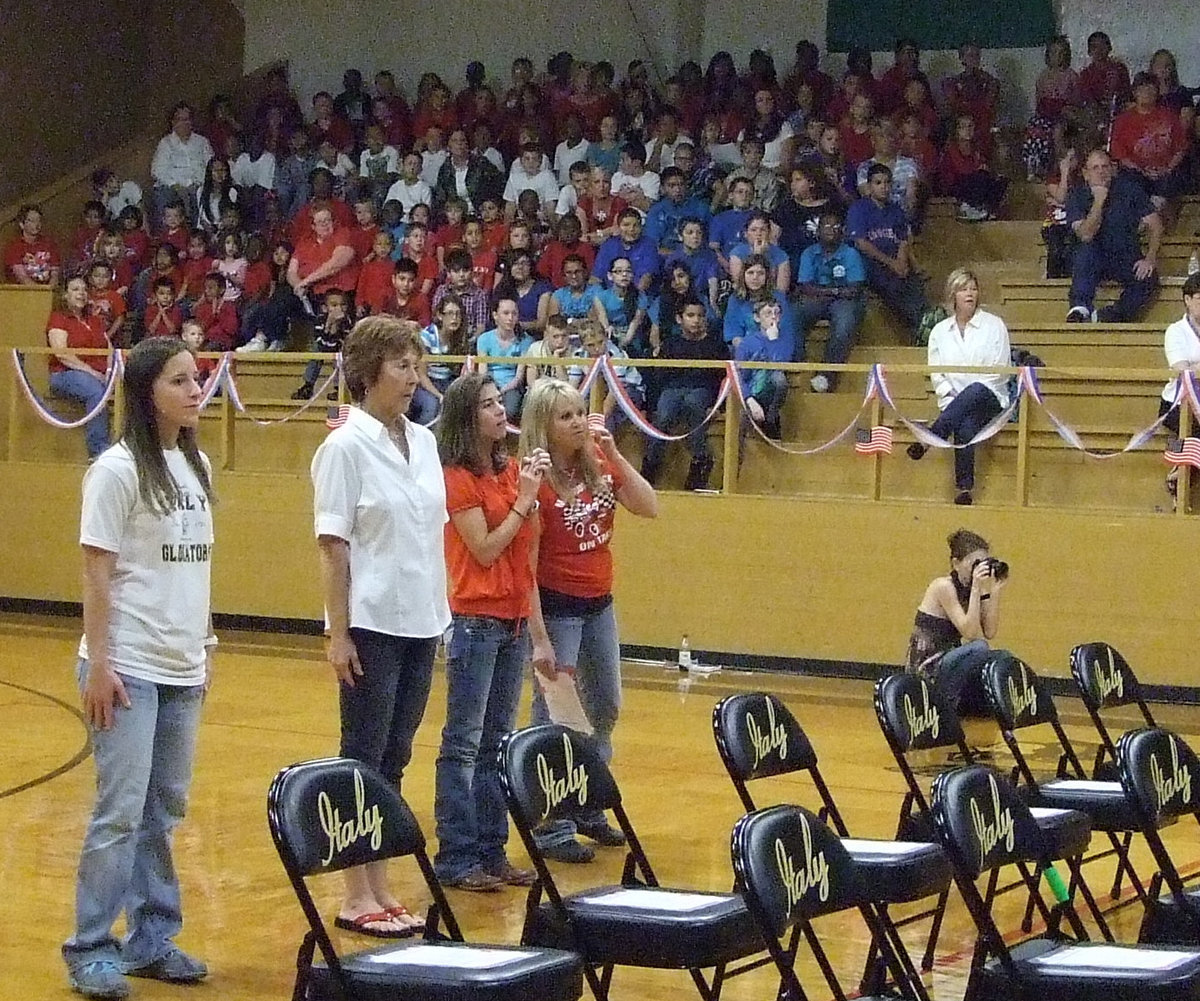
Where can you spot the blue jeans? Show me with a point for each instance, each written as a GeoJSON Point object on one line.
{"type": "Point", "coordinates": [143, 770]}
{"type": "Point", "coordinates": [845, 316]}
{"type": "Point", "coordinates": [512, 404]}
{"type": "Point", "coordinates": [589, 644]}
{"type": "Point", "coordinates": [381, 713]}
{"type": "Point", "coordinates": [82, 387]}
{"type": "Point", "coordinates": [1091, 266]}
{"type": "Point", "coordinates": [904, 296]}
{"type": "Point", "coordinates": [965, 416]}
{"type": "Point", "coordinates": [483, 690]}
{"type": "Point", "coordinates": [681, 404]}
{"type": "Point", "coordinates": [959, 674]}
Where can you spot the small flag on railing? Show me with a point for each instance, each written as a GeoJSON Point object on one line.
{"type": "Point", "coordinates": [335, 417]}
{"type": "Point", "coordinates": [1183, 453]}
{"type": "Point", "coordinates": [878, 440]}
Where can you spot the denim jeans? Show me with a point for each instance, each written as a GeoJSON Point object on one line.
{"type": "Point", "coordinates": [959, 677]}
{"type": "Point", "coordinates": [845, 316]}
{"type": "Point", "coordinates": [143, 770]}
{"type": "Point", "coordinates": [589, 645]}
{"type": "Point", "coordinates": [82, 387]}
{"type": "Point", "coordinates": [1091, 266]}
{"type": "Point", "coordinates": [965, 416]}
{"type": "Point", "coordinates": [381, 713]}
{"type": "Point", "coordinates": [680, 404]}
{"type": "Point", "coordinates": [904, 296]}
{"type": "Point", "coordinates": [484, 671]}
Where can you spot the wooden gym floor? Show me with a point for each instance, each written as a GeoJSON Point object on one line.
{"type": "Point", "coordinates": [274, 703]}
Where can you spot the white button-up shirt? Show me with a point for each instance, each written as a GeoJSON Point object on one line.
{"type": "Point", "coordinates": [1182, 345]}
{"type": "Point", "coordinates": [983, 342]}
{"type": "Point", "coordinates": [178, 162]}
{"type": "Point", "coordinates": [393, 515]}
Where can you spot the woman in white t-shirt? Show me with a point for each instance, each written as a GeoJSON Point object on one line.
{"type": "Point", "coordinates": [145, 663]}
{"type": "Point", "coordinates": [379, 513]}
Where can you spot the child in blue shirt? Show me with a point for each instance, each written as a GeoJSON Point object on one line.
{"type": "Point", "coordinates": [765, 389]}
{"type": "Point", "coordinates": [621, 308]}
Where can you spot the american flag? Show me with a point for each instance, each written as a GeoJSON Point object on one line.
{"type": "Point", "coordinates": [335, 417]}
{"type": "Point", "coordinates": [1183, 453]}
{"type": "Point", "coordinates": [875, 441]}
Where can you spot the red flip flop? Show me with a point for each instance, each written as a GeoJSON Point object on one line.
{"type": "Point", "coordinates": [400, 911]}
{"type": "Point", "coordinates": [359, 925]}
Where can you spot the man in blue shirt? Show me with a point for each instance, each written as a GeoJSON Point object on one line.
{"type": "Point", "coordinates": [1107, 212]}
{"type": "Point", "coordinates": [629, 242]}
{"type": "Point", "coordinates": [664, 220]}
{"type": "Point", "coordinates": [880, 233]}
{"type": "Point", "coordinates": [831, 285]}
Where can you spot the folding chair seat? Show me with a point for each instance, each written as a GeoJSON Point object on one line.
{"type": "Point", "coordinates": [985, 825]}
{"type": "Point", "coordinates": [1021, 701]}
{"type": "Point", "coordinates": [335, 813]}
{"type": "Point", "coordinates": [792, 869]}
{"type": "Point", "coordinates": [758, 737]}
{"type": "Point", "coordinates": [1161, 775]}
{"type": "Point", "coordinates": [552, 772]}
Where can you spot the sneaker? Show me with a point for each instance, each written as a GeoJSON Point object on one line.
{"type": "Point", "coordinates": [304, 392]}
{"type": "Point", "coordinates": [917, 451]}
{"type": "Point", "coordinates": [1079, 314]}
{"type": "Point", "coordinates": [276, 346]}
{"type": "Point", "coordinates": [969, 213]}
{"type": "Point", "coordinates": [100, 979]}
{"type": "Point", "coordinates": [475, 881]}
{"type": "Point", "coordinates": [963, 498]}
{"type": "Point", "coordinates": [175, 967]}
{"type": "Point", "coordinates": [510, 875]}
{"type": "Point", "coordinates": [569, 851]}
{"type": "Point", "coordinates": [603, 833]}
{"type": "Point", "coordinates": [256, 343]}
{"type": "Point", "coordinates": [819, 383]}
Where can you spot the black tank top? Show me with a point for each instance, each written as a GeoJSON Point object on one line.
{"type": "Point", "coordinates": [932, 635]}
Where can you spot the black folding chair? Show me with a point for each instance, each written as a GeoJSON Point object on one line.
{"type": "Point", "coordinates": [1021, 702]}
{"type": "Point", "coordinates": [552, 772]}
{"type": "Point", "coordinates": [792, 868]}
{"type": "Point", "coordinates": [757, 736]}
{"type": "Point", "coordinates": [916, 719]}
{"type": "Point", "coordinates": [335, 813]}
{"type": "Point", "coordinates": [985, 826]}
{"type": "Point", "coordinates": [1161, 775]}
{"type": "Point", "coordinates": [1106, 681]}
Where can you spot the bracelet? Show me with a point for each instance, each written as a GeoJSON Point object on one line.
{"type": "Point", "coordinates": [533, 508]}
{"type": "Point", "coordinates": [210, 642]}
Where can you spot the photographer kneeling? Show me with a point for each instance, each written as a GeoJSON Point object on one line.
{"type": "Point", "coordinates": [957, 616]}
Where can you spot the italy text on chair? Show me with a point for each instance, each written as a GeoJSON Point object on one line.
{"type": "Point", "coordinates": [1022, 704]}
{"type": "Point", "coordinates": [551, 772]}
{"type": "Point", "coordinates": [985, 826]}
{"type": "Point", "coordinates": [1161, 775]}
{"type": "Point", "coordinates": [792, 868]}
{"type": "Point", "coordinates": [334, 813]}
{"type": "Point", "coordinates": [757, 736]}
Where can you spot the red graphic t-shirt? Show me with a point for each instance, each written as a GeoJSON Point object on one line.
{"type": "Point", "coordinates": [38, 258]}
{"type": "Point", "coordinates": [574, 556]}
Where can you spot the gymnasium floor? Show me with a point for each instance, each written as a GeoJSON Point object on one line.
{"type": "Point", "coordinates": [274, 703]}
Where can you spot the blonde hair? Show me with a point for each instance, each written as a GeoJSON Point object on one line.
{"type": "Point", "coordinates": [590, 329]}
{"type": "Point", "coordinates": [956, 281]}
{"type": "Point", "coordinates": [536, 416]}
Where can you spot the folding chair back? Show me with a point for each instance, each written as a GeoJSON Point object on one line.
{"type": "Point", "coordinates": [1018, 697]}
{"type": "Point", "coordinates": [1106, 681]}
{"type": "Point", "coordinates": [914, 716]}
{"type": "Point", "coordinates": [757, 736]}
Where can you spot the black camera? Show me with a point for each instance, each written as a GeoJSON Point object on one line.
{"type": "Point", "coordinates": [994, 566]}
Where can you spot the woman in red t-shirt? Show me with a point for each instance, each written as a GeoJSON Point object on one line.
{"type": "Point", "coordinates": [75, 377]}
{"type": "Point", "coordinates": [491, 549]}
{"type": "Point", "coordinates": [578, 501]}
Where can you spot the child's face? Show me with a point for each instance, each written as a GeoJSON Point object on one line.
{"type": "Point", "coordinates": [393, 214]}
{"type": "Point", "coordinates": [691, 320]}
{"type": "Point", "coordinates": [382, 247]}
{"type": "Point", "coordinates": [621, 274]}
{"type": "Point", "coordinates": [129, 223]}
{"type": "Point", "coordinates": [374, 138]}
{"type": "Point", "coordinates": [768, 315]}
{"type": "Point", "coordinates": [519, 238]}
{"type": "Point", "coordinates": [114, 248]}
{"type": "Point", "coordinates": [575, 274]}
{"type": "Point", "coordinates": [173, 218]}
{"type": "Point", "coordinates": [411, 167]}
{"type": "Point", "coordinates": [531, 162]}
{"type": "Point", "coordinates": [192, 335]}
{"type": "Point", "coordinates": [230, 219]}
{"type": "Point", "coordinates": [402, 282]}
{"type": "Point", "coordinates": [298, 142]}
{"type": "Point", "coordinates": [631, 228]}
{"type": "Point", "coordinates": [579, 181]}
{"type": "Point", "coordinates": [164, 296]}
{"type": "Point", "coordinates": [335, 306]}
{"type": "Point", "coordinates": [364, 212]}
{"type": "Point", "coordinates": [601, 185]}
{"type": "Point", "coordinates": [164, 259]}
{"type": "Point", "coordinates": [692, 236]}
{"type": "Point", "coordinates": [415, 238]}
{"type": "Point", "coordinates": [213, 290]}
{"type": "Point", "coordinates": [594, 345]}
{"type": "Point", "coordinates": [231, 247]}
{"type": "Point", "coordinates": [433, 138]}
{"type": "Point", "coordinates": [454, 215]}
{"type": "Point", "coordinates": [556, 337]}
{"type": "Point", "coordinates": [328, 153]}
{"type": "Point", "coordinates": [98, 278]}
{"type": "Point", "coordinates": [608, 128]}
{"type": "Point", "coordinates": [506, 315]}
{"type": "Point", "coordinates": [739, 194]}
{"type": "Point", "coordinates": [473, 236]}
{"type": "Point", "coordinates": [569, 230]}
{"type": "Point", "coordinates": [459, 278]}
{"type": "Point", "coordinates": [489, 210]}
{"type": "Point", "coordinates": [91, 219]}
{"type": "Point", "coordinates": [420, 213]}
{"type": "Point", "coordinates": [281, 257]}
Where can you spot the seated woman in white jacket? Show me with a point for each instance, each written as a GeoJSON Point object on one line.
{"type": "Point", "coordinates": [968, 401]}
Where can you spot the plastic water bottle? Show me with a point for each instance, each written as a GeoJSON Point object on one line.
{"type": "Point", "coordinates": [1194, 262]}
{"type": "Point", "coordinates": [685, 654]}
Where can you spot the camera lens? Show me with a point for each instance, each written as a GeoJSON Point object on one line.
{"type": "Point", "coordinates": [998, 567]}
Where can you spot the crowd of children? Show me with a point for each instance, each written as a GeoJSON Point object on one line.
{"type": "Point", "coordinates": [513, 220]}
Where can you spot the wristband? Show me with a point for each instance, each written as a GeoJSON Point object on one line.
{"type": "Point", "coordinates": [210, 642]}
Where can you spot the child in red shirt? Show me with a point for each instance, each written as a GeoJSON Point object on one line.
{"type": "Point", "coordinates": [570, 241]}
{"type": "Point", "coordinates": [363, 233]}
{"type": "Point", "coordinates": [163, 317]}
{"type": "Point", "coordinates": [192, 334]}
{"type": "Point", "coordinates": [495, 232]}
{"type": "Point", "coordinates": [112, 251]}
{"type": "Point", "coordinates": [375, 277]}
{"type": "Point", "coordinates": [449, 234]}
{"type": "Point", "coordinates": [216, 315]}
{"type": "Point", "coordinates": [137, 243]}
{"type": "Point", "coordinates": [963, 173]}
{"type": "Point", "coordinates": [257, 284]}
{"type": "Point", "coordinates": [483, 261]}
{"type": "Point", "coordinates": [84, 242]}
{"type": "Point", "coordinates": [105, 301]}
{"type": "Point", "coordinates": [174, 231]}
{"type": "Point", "coordinates": [196, 266]}
{"type": "Point", "coordinates": [403, 302]}
{"type": "Point", "coordinates": [416, 243]}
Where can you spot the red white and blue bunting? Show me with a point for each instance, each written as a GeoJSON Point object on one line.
{"type": "Point", "coordinates": [116, 367]}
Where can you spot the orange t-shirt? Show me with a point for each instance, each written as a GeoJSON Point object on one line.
{"type": "Point", "coordinates": [573, 555]}
{"type": "Point", "coordinates": [503, 590]}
